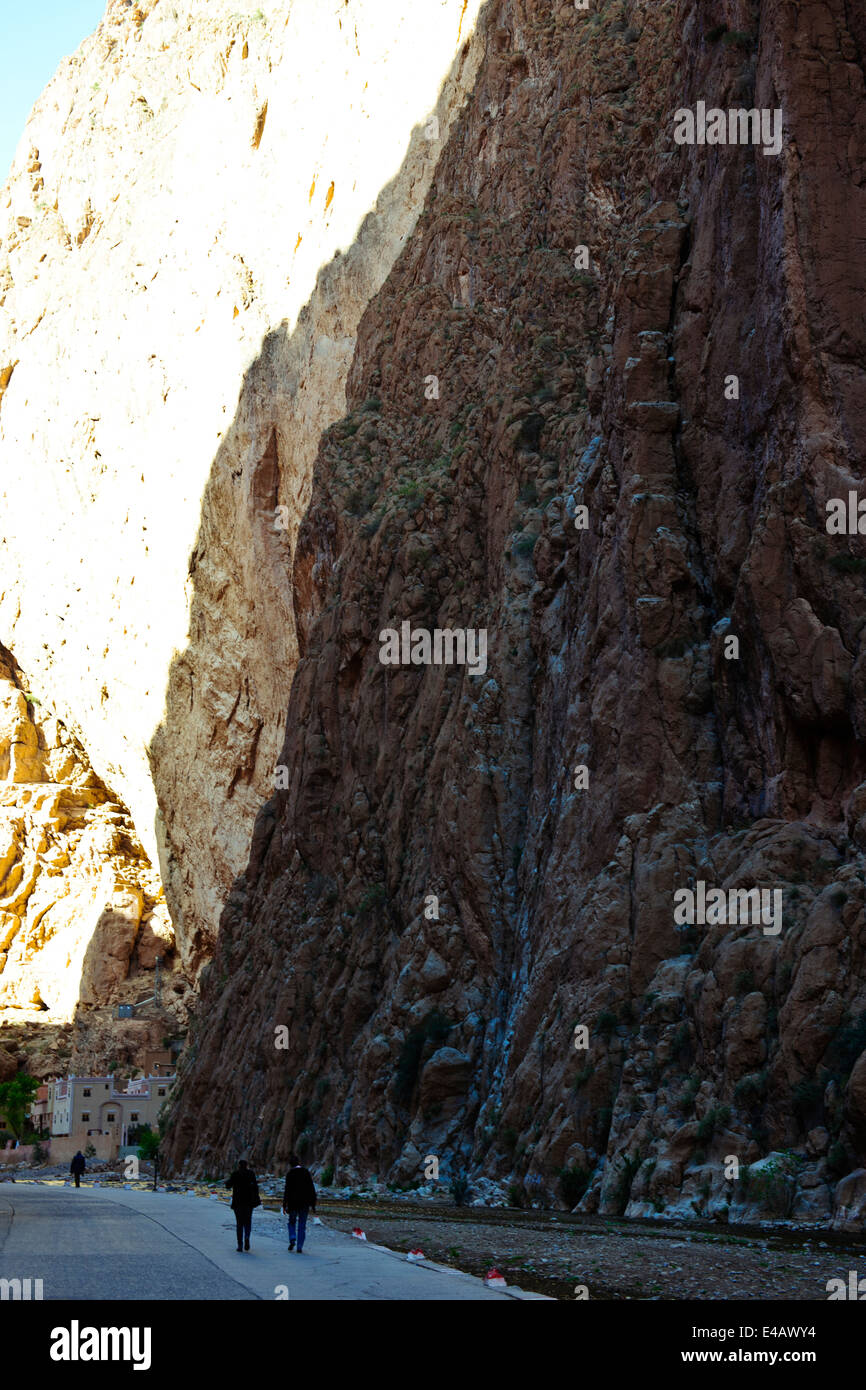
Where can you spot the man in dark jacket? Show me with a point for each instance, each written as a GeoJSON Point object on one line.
{"type": "Point", "coordinates": [299, 1197]}
{"type": "Point", "coordinates": [245, 1197]}
{"type": "Point", "coordinates": [77, 1167]}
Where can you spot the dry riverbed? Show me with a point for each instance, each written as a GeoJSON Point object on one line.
{"type": "Point", "coordinates": [614, 1259]}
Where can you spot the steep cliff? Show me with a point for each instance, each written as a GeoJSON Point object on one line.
{"type": "Point", "coordinates": [202, 204]}
{"type": "Point", "coordinates": [315, 323]}
{"type": "Point", "coordinates": [436, 899]}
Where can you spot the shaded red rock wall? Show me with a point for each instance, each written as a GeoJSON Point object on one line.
{"type": "Point", "coordinates": [561, 388]}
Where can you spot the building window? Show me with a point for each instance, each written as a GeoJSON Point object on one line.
{"type": "Point", "coordinates": [160, 1091]}
{"type": "Point", "coordinates": [85, 1115]}
{"type": "Point", "coordinates": [86, 1091]}
{"type": "Point", "coordinates": [134, 1115]}
{"type": "Point", "coordinates": [110, 1119]}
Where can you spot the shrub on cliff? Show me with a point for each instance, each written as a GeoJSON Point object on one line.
{"type": "Point", "coordinates": [687, 1098]}
{"type": "Point", "coordinates": [717, 1116]}
{"type": "Point", "coordinates": [750, 1090]}
{"type": "Point", "coordinates": [772, 1183]}
{"type": "Point", "coordinates": [622, 1192]}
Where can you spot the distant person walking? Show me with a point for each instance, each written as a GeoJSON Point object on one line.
{"type": "Point", "coordinates": [245, 1198]}
{"type": "Point", "coordinates": [77, 1167]}
{"type": "Point", "coordinates": [299, 1198]}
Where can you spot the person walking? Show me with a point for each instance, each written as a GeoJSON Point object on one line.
{"type": "Point", "coordinates": [299, 1198]}
{"type": "Point", "coordinates": [77, 1167]}
{"type": "Point", "coordinates": [245, 1198]}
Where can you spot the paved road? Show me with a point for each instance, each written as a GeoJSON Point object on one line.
{"type": "Point", "coordinates": [109, 1243]}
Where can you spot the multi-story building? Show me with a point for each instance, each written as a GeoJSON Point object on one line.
{"type": "Point", "coordinates": [40, 1113]}
{"type": "Point", "coordinates": [92, 1110]}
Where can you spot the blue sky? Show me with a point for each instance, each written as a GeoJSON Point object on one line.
{"type": "Point", "coordinates": [34, 36]}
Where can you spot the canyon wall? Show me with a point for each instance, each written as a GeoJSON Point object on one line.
{"type": "Point", "coordinates": [437, 898]}
{"type": "Point", "coordinates": [202, 204]}
{"type": "Point", "coordinates": [285, 363]}
{"type": "Point", "coordinates": [82, 912]}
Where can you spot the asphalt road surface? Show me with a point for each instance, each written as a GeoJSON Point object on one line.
{"type": "Point", "coordinates": [108, 1243]}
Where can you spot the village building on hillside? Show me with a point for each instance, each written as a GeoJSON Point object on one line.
{"type": "Point", "coordinates": [78, 1111]}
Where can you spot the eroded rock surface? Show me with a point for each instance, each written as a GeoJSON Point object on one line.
{"type": "Point", "coordinates": [82, 911]}
{"type": "Point", "coordinates": [412, 1034]}
{"type": "Point", "coordinates": [202, 205]}
{"type": "Point", "coordinates": [281, 366]}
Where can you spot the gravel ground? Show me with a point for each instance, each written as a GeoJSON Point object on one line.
{"type": "Point", "coordinates": [614, 1260]}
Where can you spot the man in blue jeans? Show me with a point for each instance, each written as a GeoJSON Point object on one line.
{"type": "Point", "coordinates": [299, 1197]}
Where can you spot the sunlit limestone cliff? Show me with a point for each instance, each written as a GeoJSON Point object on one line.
{"type": "Point", "coordinates": [83, 920]}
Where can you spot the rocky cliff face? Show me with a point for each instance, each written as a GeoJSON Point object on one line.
{"type": "Point", "coordinates": [281, 371]}
{"type": "Point", "coordinates": [202, 204]}
{"type": "Point", "coordinates": [82, 911]}
{"type": "Point", "coordinates": [437, 897]}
